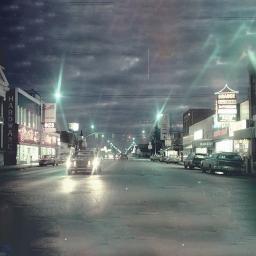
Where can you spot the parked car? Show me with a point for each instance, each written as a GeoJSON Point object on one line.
{"type": "Point", "coordinates": [162, 158]}
{"type": "Point", "coordinates": [155, 158]}
{"type": "Point", "coordinates": [172, 159]}
{"type": "Point", "coordinates": [227, 163]}
{"type": "Point", "coordinates": [194, 160]}
{"type": "Point", "coordinates": [85, 161]}
{"type": "Point", "coordinates": [48, 160]}
{"type": "Point", "coordinates": [123, 157]}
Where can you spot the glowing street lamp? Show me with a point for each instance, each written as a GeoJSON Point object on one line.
{"type": "Point", "coordinates": [57, 95]}
{"type": "Point", "coordinates": [143, 131]}
{"type": "Point", "coordinates": [92, 126]}
{"type": "Point", "coordinates": [159, 116]}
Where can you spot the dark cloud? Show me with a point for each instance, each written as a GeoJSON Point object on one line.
{"type": "Point", "coordinates": [193, 48]}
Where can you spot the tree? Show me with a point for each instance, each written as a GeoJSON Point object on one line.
{"type": "Point", "coordinates": [155, 140]}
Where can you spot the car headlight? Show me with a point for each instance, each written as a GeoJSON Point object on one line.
{"type": "Point", "coordinates": [74, 163]}
{"type": "Point", "coordinates": [89, 163]}
{"type": "Point", "coordinates": [96, 162]}
{"type": "Point", "coordinates": [68, 163]}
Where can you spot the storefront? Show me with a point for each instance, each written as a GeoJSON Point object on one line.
{"type": "Point", "coordinates": [28, 145]}
{"type": "Point", "coordinates": [187, 145]}
{"type": "Point", "coordinates": [223, 143]}
{"type": "Point", "coordinates": [203, 146]}
{"type": "Point", "coordinates": [49, 144]}
{"type": "Point", "coordinates": [243, 139]}
{"type": "Point", "coordinates": [22, 127]}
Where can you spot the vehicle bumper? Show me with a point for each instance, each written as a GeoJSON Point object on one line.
{"type": "Point", "coordinates": [229, 169]}
{"type": "Point", "coordinates": [81, 169]}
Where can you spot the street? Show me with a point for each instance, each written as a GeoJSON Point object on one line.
{"type": "Point", "coordinates": [135, 207]}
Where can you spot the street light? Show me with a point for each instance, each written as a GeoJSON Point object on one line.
{"type": "Point", "coordinates": [159, 116]}
{"type": "Point", "coordinates": [57, 95]}
{"type": "Point", "coordinates": [92, 126]}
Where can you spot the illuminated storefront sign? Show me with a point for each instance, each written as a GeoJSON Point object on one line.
{"type": "Point", "coordinates": [203, 144]}
{"type": "Point", "coordinates": [49, 117]}
{"type": "Point", "coordinates": [10, 129]}
{"type": "Point", "coordinates": [73, 127]}
{"type": "Point", "coordinates": [226, 105]}
{"type": "Point", "coordinates": [224, 146]}
{"type": "Point", "coordinates": [236, 126]}
{"type": "Point", "coordinates": [49, 125]}
{"type": "Point", "coordinates": [28, 135]}
{"type": "Point", "coordinates": [198, 135]}
{"type": "Point", "coordinates": [220, 133]}
{"type": "Point", "coordinates": [49, 140]}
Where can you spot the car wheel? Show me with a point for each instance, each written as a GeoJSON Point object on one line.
{"type": "Point", "coordinates": [185, 166]}
{"type": "Point", "coordinates": [211, 170]}
{"type": "Point", "coordinates": [191, 167]}
{"type": "Point", "coordinates": [203, 169]}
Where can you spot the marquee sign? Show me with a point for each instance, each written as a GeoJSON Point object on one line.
{"type": "Point", "coordinates": [226, 105]}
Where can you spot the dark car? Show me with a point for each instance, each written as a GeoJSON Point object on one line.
{"type": "Point", "coordinates": [155, 158]}
{"type": "Point", "coordinates": [162, 158]}
{"type": "Point", "coordinates": [172, 159]}
{"type": "Point", "coordinates": [48, 160]}
{"type": "Point", "coordinates": [84, 161]}
{"type": "Point", "coordinates": [123, 157]}
{"type": "Point", "coordinates": [194, 160]}
{"type": "Point", "coordinates": [227, 163]}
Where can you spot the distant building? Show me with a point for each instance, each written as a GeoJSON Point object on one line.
{"type": "Point", "coordinates": [193, 116]}
{"type": "Point", "coordinates": [4, 87]}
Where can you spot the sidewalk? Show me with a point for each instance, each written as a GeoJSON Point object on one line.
{"type": "Point", "coordinates": [18, 167]}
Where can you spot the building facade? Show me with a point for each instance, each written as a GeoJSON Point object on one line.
{"type": "Point", "coordinates": [25, 138]}
{"type": "Point", "coordinates": [4, 87]}
{"type": "Point", "coordinates": [193, 116]}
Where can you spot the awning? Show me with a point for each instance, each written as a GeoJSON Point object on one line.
{"type": "Point", "coordinates": [243, 134]}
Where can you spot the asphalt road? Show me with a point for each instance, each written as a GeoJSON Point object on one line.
{"type": "Point", "coordinates": [133, 208]}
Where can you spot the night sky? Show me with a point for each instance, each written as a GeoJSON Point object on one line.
{"type": "Point", "coordinates": [125, 60]}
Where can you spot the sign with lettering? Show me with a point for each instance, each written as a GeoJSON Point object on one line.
{"type": "Point", "coordinates": [10, 129]}
{"type": "Point", "coordinates": [49, 113]}
{"type": "Point", "coordinates": [220, 133]}
{"type": "Point", "coordinates": [203, 144]}
{"type": "Point", "coordinates": [49, 117]}
{"type": "Point", "coordinates": [226, 105]}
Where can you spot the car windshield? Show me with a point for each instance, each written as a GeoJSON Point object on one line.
{"type": "Point", "coordinates": [113, 115]}
{"type": "Point", "coordinates": [200, 156]}
{"type": "Point", "coordinates": [232, 157]}
{"type": "Point", "coordinates": [85, 154]}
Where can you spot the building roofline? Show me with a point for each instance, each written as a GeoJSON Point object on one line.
{"type": "Point", "coordinates": [224, 88]}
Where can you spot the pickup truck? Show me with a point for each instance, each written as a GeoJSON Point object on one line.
{"type": "Point", "coordinates": [84, 161]}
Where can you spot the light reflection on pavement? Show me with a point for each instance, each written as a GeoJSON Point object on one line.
{"type": "Point", "coordinates": [133, 208]}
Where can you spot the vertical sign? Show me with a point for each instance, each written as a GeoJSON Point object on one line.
{"type": "Point", "coordinates": [164, 127]}
{"type": "Point", "coordinates": [227, 105]}
{"type": "Point", "coordinates": [49, 117]}
{"type": "Point", "coordinates": [10, 129]}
